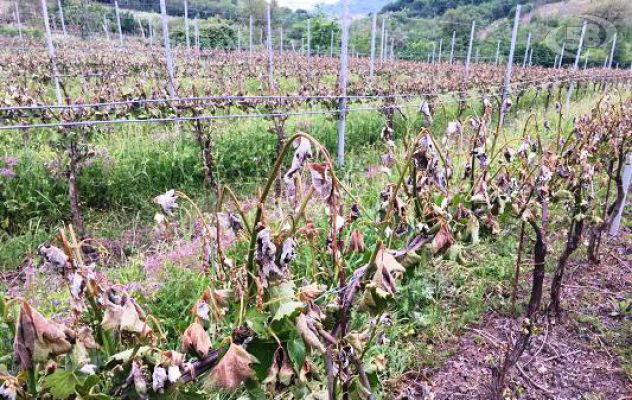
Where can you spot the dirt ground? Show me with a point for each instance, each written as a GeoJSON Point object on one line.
{"type": "Point", "coordinates": [587, 354]}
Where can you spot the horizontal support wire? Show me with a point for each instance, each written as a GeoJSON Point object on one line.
{"type": "Point", "coordinates": [276, 98]}
{"type": "Point", "coordinates": [70, 124]}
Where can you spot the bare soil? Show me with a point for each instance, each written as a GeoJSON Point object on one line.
{"type": "Point", "coordinates": [582, 355]}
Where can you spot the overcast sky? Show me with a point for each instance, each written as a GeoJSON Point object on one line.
{"type": "Point", "coordinates": [304, 4]}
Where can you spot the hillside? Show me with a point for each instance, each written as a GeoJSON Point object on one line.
{"type": "Point", "coordinates": [356, 7]}
{"type": "Point", "coordinates": [417, 24]}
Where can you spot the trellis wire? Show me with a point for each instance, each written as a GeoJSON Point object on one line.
{"type": "Point", "coordinates": [276, 98]}
{"type": "Point", "coordinates": [225, 117]}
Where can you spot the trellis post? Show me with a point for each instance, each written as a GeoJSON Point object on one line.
{"type": "Point", "coordinates": [106, 28]}
{"type": "Point", "coordinates": [165, 37]}
{"type": "Point", "coordinates": [118, 21]}
{"type": "Point", "coordinates": [382, 40]}
{"type": "Point", "coordinates": [586, 61]}
{"type": "Point", "coordinates": [186, 25]}
{"type": "Point", "coordinates": [281, 41]}
{"type": "Point", "coordinates": [614, 44]}
{"type": "Point", "coordinates": [452, 46]}
{"type": "Point", "coordinates": [526, 51]}
{"type": "Point", "coordinates": [270, 51]}
{"type": "Point", "coordinates": [626, 177]}
{"type": "Point", "coordinates": [469, 50]}
{"type": "Point", "coordinates": [17, 18]}
{"type": "Point", "coordinates": [344, 59]}
{"type": "Point", "coordinates": [373, 28]}
{"type": "Point", "coordinates": [331, 44]}
{"type": "Point", "coordinates": [440, 49]}
{"type": "Point", "coordinates": [61, 17]}
{"type": "Point", "coordinates": [575, 66]}
{"type": "Point", "coordinates": [512, 49]}
{"type": "Point", "coordinates": [250, 33]}
{"type": "Point", "coordinates": [51, 51]}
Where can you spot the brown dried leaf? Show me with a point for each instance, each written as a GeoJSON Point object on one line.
{"type": "Point", "coordinates": [195, 340]}
{"type": "Point", "coordinates": [232, 370]}
{"type": "Point", "coordinates": [37, 339]}
{"type": "Point", "coordinates": [442, 240]}
{"type": "Point", "coordinates": [306, 326]}
{"type": "Point", "coordinates": [356, 242]}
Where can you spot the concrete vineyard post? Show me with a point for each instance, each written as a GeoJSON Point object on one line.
{"type": "Point", "coordinates": [196, 32]}
{"type": "Point", "coordinates": [239, 39]}
{"type": "Point", "coordinates": [309, 44]}
{"type": "Point", "coordinates": [61, 17]}
{"type": "Point", "coordinates": [165, 37]}
{"type": "Point", "coordinates": [118, 21]}
{"type": "Point", "coordinates": [526, 51]}
{"type": "Point", "coordinates": [626, 177]}
{"type": "Point", "coordinates": [281, 41]}
{"type": "Point", "coordinates": [385, 46]}
{"type": "Point", "coordinates": [555, 62]}
{"type": "Point", "coordinates": [586, 61]}
{"type": "Point", "coordinates": [331, 44]}
{"type": "Point", "coordinates": [106, 28]}
{"type": "Point", "coordinates": [452, 46]}
{"type": "Point", "coordinates": [344, 59]}
{"type": "Point", "coordinates": [611, 57]}
{"type": "Point", "coordinates": [614, 44]}
{"type": "Point", "coordinates": [512, 49]}
{"type": "Point", "coordinates": [440, 49]}
{"type": "Point", "coordinates": [250, 33]}
{"type": "Point", "coordinates": [434, 48]}
{"type": "Point", "coordinates": [575, 66]}
{"type": "Point", "coordinates": [186, 25]}
{"type": "Point", "coordinates": [530, 55]}
{"type": "Point", "coordinates": [469, 50]}
{"type": "Point", "coordinates": [270, 51]}
{"type": "Point", "coordinates": [559, 62]}
{"type": "Point", "coordinates": [372, 50]}
{"type": "Point", "coordinates": [382, 40]}
{"type": "Point", "coordinates": [392, 49]}
{"type": "Point", "coordinates": [51, 51]}
{"type": "Point", "coordinates": [142, 30]}
{"type": "Point", "coordinates": [497, 53]}
{"type": "Point", "coordinates": [17, 19]}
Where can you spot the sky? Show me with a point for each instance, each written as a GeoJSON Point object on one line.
{"type": "Point", "coordinates": [304, 4]}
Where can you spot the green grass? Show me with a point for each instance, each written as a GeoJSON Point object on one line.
{"type": "Point", "coordinates": [136, 162]}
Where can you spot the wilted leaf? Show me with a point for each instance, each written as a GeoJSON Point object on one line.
{"type": "Point", "coordinates": [123, 314]}
{"type": "Point", "coordinates": [195, 340]}
{"type": "Point", "coordinates": [356, 243]}
{"type": "Point", "coordinates": [37, 339]}
{"type": "Point", "coordinates": [232, 370]}
{"type": "Point", "coordinates": [307, 327]}
{"type": "Point", "coordinates": [266, 257]}
{"type": "Point", "coordinates": [167, 201]}
{"type": "Point", "coordinates": [442, 240]}
{"type": "Point", "coordinates": [310, 292]}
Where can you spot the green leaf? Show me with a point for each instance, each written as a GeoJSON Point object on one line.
{"type": "Point", "coordinates": [296, 351]}
{"type": "Point", "coordinates": [287, 309]}
{"type": "Point", "coordinates": [90, 382]}
{"type": "Point", "coordinates": [264, 352]}
{"type": "Point", "coordinates": [61, 384]}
